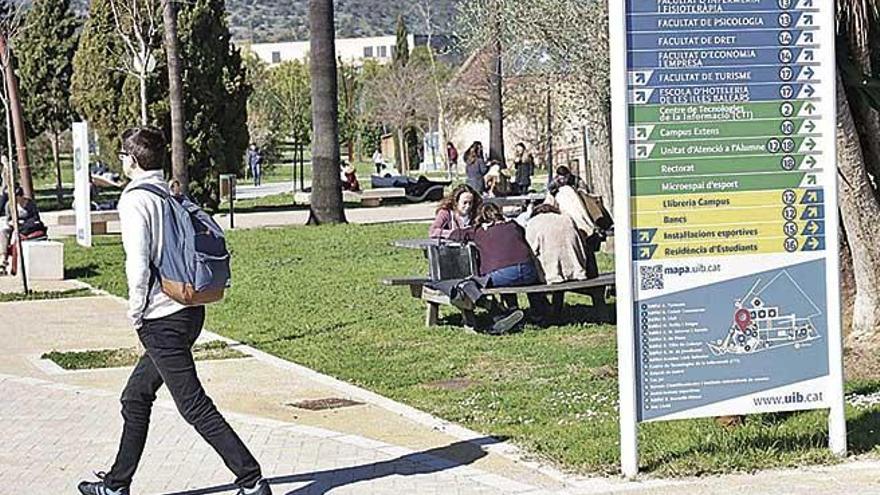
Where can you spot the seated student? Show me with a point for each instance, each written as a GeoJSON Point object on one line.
{"type": "Point", "coordinates": [505, 260]}
{"type": "Point", "coordinates": [569, 202]}
{"type": "Point", "coordinates": [564, 177]}
{"type": "Point", "coordinates": [558, 249]}
{"type": "Point", "coordinates": [456, 211]}
{"type": "Point", "coordinates": [29, 223]}
{"type": "Point", "coordinates": [498, 180]}
{"type": "Point", "coordinates": [349, 179]}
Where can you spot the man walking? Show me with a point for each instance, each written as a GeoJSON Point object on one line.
{"type": "Point", "coordinates": [167, 331]}
{"type": "Point", "coordinates": [255, 163]}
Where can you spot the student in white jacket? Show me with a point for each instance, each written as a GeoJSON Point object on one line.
{"type": "Point", "coordinates": [167, 330]}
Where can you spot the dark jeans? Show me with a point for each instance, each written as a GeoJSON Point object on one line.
{"type": "Point", "coordinates": [169, 360]}
{"type": "Point", "coordinates": [516, 275]}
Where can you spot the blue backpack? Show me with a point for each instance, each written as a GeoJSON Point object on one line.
{"type": "Point", "coordinates": [195, 262]}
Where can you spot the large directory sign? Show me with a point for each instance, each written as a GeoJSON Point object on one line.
{"type": "Point", "coordinates": [725, 175]}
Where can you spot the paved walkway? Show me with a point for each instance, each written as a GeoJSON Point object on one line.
{"type": "Point", "coordinates": [416, 212]}
{"type": "Point", "coordinates": [57, 426]}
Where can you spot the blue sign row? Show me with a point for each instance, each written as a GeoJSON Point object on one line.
{"type": "Point", "coordinates": [721, 22]}
{"type": "Point", "coordinates": [710, 39]}
{"type": "Point", "coordinates": [665, 6]}
{"type": "Point", "coordinates": [745, 75]}
{"type": "Point", "coordinates": [719, 57]}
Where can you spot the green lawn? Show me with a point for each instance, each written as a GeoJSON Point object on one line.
{"type": "Point", "coordinates": [311, 295]}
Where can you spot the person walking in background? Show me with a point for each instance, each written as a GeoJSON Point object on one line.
{"type": "Point", "coordinates": [378, 161]}
{"type": "Point", "coordinates": [451, 160]}
{"type": "Point", "coordinates": [255, 163]}
{"type": "Point", "coordinates": [524, 163]}
{"type": "Point", "coordinates": [167, 330]}
{"type": "Point", "coordinates": [476, 167]}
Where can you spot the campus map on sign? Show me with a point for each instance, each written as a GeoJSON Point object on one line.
{"type": "Point", "coordinates": [732, 204]}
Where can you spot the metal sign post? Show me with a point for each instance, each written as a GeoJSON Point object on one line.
{"type": "Point", "coordinates": [725, 189]}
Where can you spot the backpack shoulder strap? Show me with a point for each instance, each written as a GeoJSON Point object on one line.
{"type": "Point", "coordinates": [158, 191]}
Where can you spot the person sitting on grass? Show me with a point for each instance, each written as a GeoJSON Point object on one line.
{"type": "Point", "coordinates": [505, 261]}
{"type": "Point", "coordinates": [455, 212]}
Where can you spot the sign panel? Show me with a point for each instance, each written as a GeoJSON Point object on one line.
{"type": "Point", "coordinates": [728, 271]}
{"type": "Point", "coordinates": [81, 184]}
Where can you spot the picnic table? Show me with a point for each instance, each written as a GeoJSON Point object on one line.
{"type": "Point", "coordinates": [598, 288]}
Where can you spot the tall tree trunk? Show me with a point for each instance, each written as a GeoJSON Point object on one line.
{"type": "Point", "coordinates": [860, 209]}
{"type": "Point", "coordinates": [59, 191]}
{"type": "Point", "coordinates": [142, 80]}
{"type": "Point", "coordinates": [496, 103]}
{"type": "Point", "coordinates": [326, 201]}
{"type": "Point", "coordinates": [403, 162]}
{"type": "Point", "coordinates": [175, 95]}
{"type": "Point", "coordinates": [24, 169]}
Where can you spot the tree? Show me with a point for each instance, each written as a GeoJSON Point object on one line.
{"type": "Point", "coordinates": [350, 117]}
{"type": "Point", "coordinates": [401, 47]}
{"type": "Point", "coordinates": [858, 102]}
{"type": "Point", "coordinates": [104, 93]}
{"type": "Point", "coordinates": [138, 24]}
{"type": "Point", "coordinates": [46, 51]}
{"type": "Point", "coordinates": [402, 97]}
{"type": "Point", "coordinates": [10, 26]}
{"type": "Point", "coordinates": [175, 97]}
{"type": "Point", "coordinates": [215, 93]}
{"type": "Point", "coordinates": [326, 201]}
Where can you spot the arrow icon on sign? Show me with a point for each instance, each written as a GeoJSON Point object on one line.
{"type": "Point", "coordinates": [809, 90]}
{"type": "Point", "coordinates": [810, 108]}
{"type": "Point", "coordinates": [641, 132]}
{"type": "Point", "coordinates": [812, 243]}
{"type": "Point", "coordinates": [811, 180]}
{"type": "Point", "coordinates": [808, 55]}
{"type": "Point", "coordinates": [646, 252]}
{"type": "Point", "coordinates": [808, 20]}
{"type": "Point", "coordinates": [808, 37]}
{"type": "Point", "coordinates": [640, 78]}
{"type": "Point", "coordinates": [810, 161]}
{"type": "Point", "coordinates": [810, 126]}
{"type": "Point", "coordinates": [810, 197]}
{"type": "Point", "coordinates": [811, 144]}
{"type": "Point", "coordinates": [642, 151]}
{"type": "Point", "coordinates": [810, 212]}
{"type": "Point", "coordinates": [808, 3]}
{"type": "Point", "coordinates": [640, 97]}
{"type": "Point", "coordinates": [812, 227]}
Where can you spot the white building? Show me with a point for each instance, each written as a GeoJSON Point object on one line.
{"type": "Point", "coordinates": [350, 50]}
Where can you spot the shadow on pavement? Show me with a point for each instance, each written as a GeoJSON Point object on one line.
{"type": "Point", "coordinates": [426, 462]}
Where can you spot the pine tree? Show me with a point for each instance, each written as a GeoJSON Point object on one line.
{"type": "Point", "coordinates": [45, 54]}
{"type": "Point", "coordinates": [215, 93]}
{"type": "Point", "coordinates": [401, 50]}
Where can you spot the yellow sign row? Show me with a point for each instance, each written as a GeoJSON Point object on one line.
{"type": "Point", "coordinates": [667, 203]}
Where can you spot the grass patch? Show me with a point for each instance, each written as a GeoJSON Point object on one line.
{"type": "Point", "coordinates": [119, 358]}
{"type": "Point", "coordinates": [311, 295]}
{"type": "Point", "coordinates": [43, 295]}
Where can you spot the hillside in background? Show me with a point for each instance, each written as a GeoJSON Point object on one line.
{"type": "Point", "coordinates": [273, 20]}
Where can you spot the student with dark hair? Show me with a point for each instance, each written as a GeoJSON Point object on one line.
{"type": "Point", "coordinates": [524, 163]}
{"type": "Point", "coordinates": [476, 167]}
{"type": "Point", "coordinates": [505, 259]}
{"type": "Point", "coordinates": [167, 330]}
{"type": "Point", "coordinates": [564, 177]}
{"type": "Point", "coordinates": [456, 211]}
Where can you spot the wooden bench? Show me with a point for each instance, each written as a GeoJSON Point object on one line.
{"type": "Point", "coordinates": [99, 220]}
{"type": "Point", "coordinates": [597, 288]}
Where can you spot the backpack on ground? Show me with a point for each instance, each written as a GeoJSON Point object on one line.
{"type": "Point", "coordinates": [194, 267]}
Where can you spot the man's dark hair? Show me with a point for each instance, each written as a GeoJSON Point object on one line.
{"type": "Point", "coordinates": [147, 145]}
{"type": "Point", "coordinates": [489, 213]}
{"type": "Point", "coordinates": [563, 170]}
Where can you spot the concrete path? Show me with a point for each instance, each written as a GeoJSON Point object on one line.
{"type": "Point", "coordinates": [57, 426]}
{"type": "Point", "coordinates": [415, 212]}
